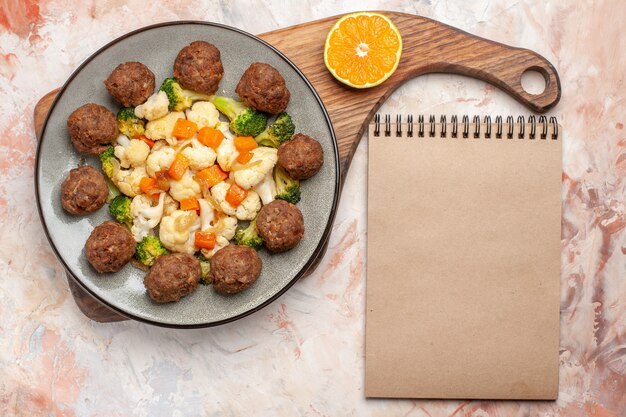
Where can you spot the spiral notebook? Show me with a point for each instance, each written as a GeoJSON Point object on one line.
{"type": "Point", "coordinates": [464, 227]}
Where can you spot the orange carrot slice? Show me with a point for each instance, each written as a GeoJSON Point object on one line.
{"type": "Point", "coordinates": [235, 195]}
{"type": "Point", "coordinates": [245, 143]}
{"type": "Point", "coordinates": [189, 204]}
{"type": "Point", "coordinates": [184, 129]}
{"type": "Point", "coordinates": [149, 186]}
{"type": "Point", "coordinates": [178, 167]}
{"type": "Point", "coordinates": [244, 157]}
{"type": "Point", "coordinates": [211, 175]}
{"type": "Point", "coordinates": [210, 137]}
{"type": "Point", "coordinates": [205, 240]}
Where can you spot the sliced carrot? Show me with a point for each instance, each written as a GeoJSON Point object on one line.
{"type": "Point", "coordinates": [148, 142]}
{"type": "Point", "coordinates": [210, 137]}
{"type": "Point", "coordinates": [149, 186]}
{"type": "Point", "coordinates": [184, 129]}
{"type": "Point", "coordinates": [244, 157]}
{"type": "Point", "coordinates": [163, 180]}
{"type": "Point", "coordinates": [235, 195]}
{"type": "Point", "coordinates": [245, 143]}
{"type": "Point", "coordinates": [178, 167]}
{"type": "Point", "coordinates": [211, 175]}
{"type": "Point", "coordinates": [205, 240]}
{"type": "Point", "coordinates": [189, 204]}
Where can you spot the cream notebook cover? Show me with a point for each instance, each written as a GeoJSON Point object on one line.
{"type": "Point", "coordinates": [463, 259]}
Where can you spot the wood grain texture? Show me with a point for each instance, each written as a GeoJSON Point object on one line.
{"type": "Point", "coordinates": [428, 46]}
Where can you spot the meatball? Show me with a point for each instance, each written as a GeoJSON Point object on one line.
{"type": "Point", "coordinates": [301, 156]}
{"type": "Point", "coordinates": [109, 247]}
{"type": "Point", "coordinates": [84, 190]}
{"type": "Point", "coordinates": [234, 268]}
{"type": "Point", "coordinates": [198, 67]}
{"type": "Point", "coordinates": [92, 128]}
{"type": "Point", "coordinates": [281, 225]}
{"type": "Point", "coordinates": [263, 88]}
{"type": "Point", "coordinates": [130, 83]}
{"type": "Point", "coordinates": [172, 277]}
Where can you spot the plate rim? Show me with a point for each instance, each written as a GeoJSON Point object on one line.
{"type": "Point", "coordinates": [316, 252]}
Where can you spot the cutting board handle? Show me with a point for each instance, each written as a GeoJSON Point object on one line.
{"type": "Point", "coordinates": [495, 63]}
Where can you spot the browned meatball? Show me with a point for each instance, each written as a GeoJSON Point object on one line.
{"type": "Point", "coordinates": [109, 247]}
{"type": "Point", "coordinates": [234, 268]}
{"type": "Point", "coordinates": [198, 67]}
{"type": "Point", "coordinates": [263, 88]}
{"type": "Point", "coordinates": [301, 156]}
{"type": "Point", "coordinates": [92, 128]}
{"type": "Point", "coordinates": [84, 190]}
{"type": "Point", "coordinates": [281, 225]}
{"type": "Point", "coordinates": [130, 83]}
{"type": "Point", "coordinates": [172, 277]}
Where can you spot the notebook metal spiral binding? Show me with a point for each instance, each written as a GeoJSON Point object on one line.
{"type": "Point", "coordinates": [421, 126]}
{"type": "Point", "coordinates": [387, 131]}
{"type": "Point", "coordinates": [475, 126]}
{"type": "Point", "coordinates": [487, 127]}
{"type": "Point", "coordinates": [533, 126]}
{"type": "Point", "coordinates": [431, 121]}
{"type": "Point", "coordinates": [455, 125]}
{"type": "Point", "coordinates": [444, 125]}
{"type": "Point", "coordinates": [465, 125]}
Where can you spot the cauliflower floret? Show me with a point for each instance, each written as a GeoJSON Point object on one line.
{"type": "Point", "coordinates": [227, 153]}
{"type": "Point", "coordinates": [248, 208]}
{"type": "Point", "coordinates": [162, 128]}
{"type": "Point", "coordinates": [224, 127]}
{"type": "Point", "coordinates": [131, 152]}
{"type": "Point", "coordinates": [262, 162]}
{"type": "Point", "coordinates": [206, 214]}
{"type": "Point", "coordinates": [199, 156]}
{"type": "Point", "coordinates": [266, 188]}
{"type": "Point", "coordinates": [158, 145]}
{"type": "Point", "coordinates": [170, 205]}
{"type": "Point", "coordinates": [178, 231]}
{"type": "Point", "coordinates": [154, 108]}
{"type": "Point", "coordinates": [204, 114]}
{"type": "Point", "coordinates": [145, 216]}
{"type": "Point", "coordinates": [127, 180]}
{"type": "Point", "coordinates": [122, 140]}
{"type": "Point", "coordinates": [186, 187]}
{"type": "Point", "coordinates": [224, 228]}
{"type": "Point", "coordinates": [160, 160]}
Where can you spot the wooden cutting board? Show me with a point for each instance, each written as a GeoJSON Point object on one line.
{"type": "Point", "coordinates": [428, 46]}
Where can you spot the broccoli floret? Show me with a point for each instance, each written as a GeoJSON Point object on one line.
{"type": "Point", "coordinates": [206, 267]}
{"type": "Point", "coordinates": [179, 98]}
{"type": "Point", "coordinates": [244, 120]}
{"type": "Point", "coordinates": [129, 124]}
{"type": "Point", "coordinates": [287, 188]}
{"type": "Point", "coordinates": [149, 249]}
{"type": "Point", "coordinates": [106, 158]}
{"type": "Point", "coordinates": [249, 236]}
{"type": "Point", "coordinates": [120, 210]}
{"type": "Point", "coordinates": [278, 132]}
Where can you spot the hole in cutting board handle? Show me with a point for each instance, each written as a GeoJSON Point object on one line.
{"type": "Point", "coordinates": [534, 80]}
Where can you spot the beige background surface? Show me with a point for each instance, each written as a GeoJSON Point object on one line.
{"type": "Point", "coordinates": [303, 355]}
